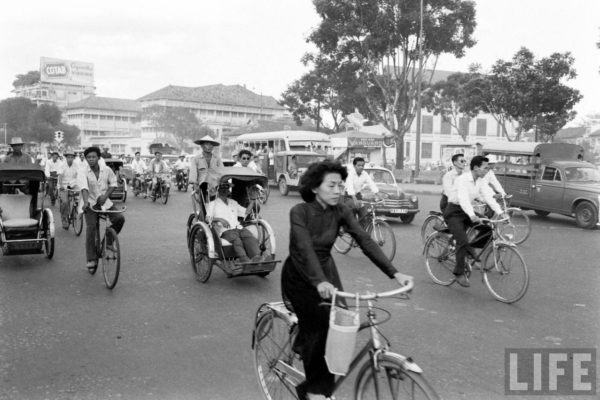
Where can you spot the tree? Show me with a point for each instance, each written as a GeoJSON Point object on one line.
{"type": "Point", "coordinates": [180, 123]}
{"type": "Point", "coordinates": [451, 100]}
{"type": "Point", "coordinates": [329, 87]}
{"type": "Point", "coordinates": [28, 79]}
{"type": "Point", "coordinates": [382, 38]}
{"type": "Point", "coordinates": [35, 123]}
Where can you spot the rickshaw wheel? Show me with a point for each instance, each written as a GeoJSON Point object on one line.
{"type": "Point", "coordinates": [124, 196]}
{"type": "Point", "coordinates": [201, 262]}
{"type": "Point", "coordinates": [49, 243]}
{"type": "Point", "coordinates": [190, 221]}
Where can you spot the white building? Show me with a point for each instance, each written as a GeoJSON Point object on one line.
{"type": "Point", "coordinates": [108, 122]}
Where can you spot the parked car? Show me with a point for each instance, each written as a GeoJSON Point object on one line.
{"type": "Point", "coordinates": [549, 178]}
{"type": "Point", "coordinates": [397, 203]}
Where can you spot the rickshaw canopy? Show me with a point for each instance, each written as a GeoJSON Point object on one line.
{"type": "Point", "coordinates": [31, 172]}
{"type": "Point", "coordinates": [240, 175]}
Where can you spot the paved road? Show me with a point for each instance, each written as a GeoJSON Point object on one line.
{"type": "Point", "coordinates": [160, 334]}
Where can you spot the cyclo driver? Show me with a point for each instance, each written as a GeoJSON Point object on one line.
{"type": "Point", "coordinates": [460, 215]}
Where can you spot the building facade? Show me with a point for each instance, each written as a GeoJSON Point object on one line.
{"type": "Point", "coordinates": [62, 82]}
{"type": "Point", "coordinates": [222, 108]}
{"type": "Point", "coordinates": [108, 122]}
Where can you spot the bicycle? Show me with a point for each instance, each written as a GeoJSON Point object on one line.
{"type": "Point", "coordinates": [383, 374]}
{"type": "Point", "coordinates": [75, 217]}
{"type": "Point", "coordinates": [516, 229]}
{"type": "Point", "coordinates": [161, 190]}
{"type": "Point", "coordinates": [140, 185]}
{"type": "Point", "coordinates": [110, 256]}
{"type": "Point", "coordinates": [508, 283]}
{"type": "Point", "coordinates": [379, 230]}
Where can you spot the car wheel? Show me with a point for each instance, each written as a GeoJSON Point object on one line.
{"type": "Point", "coordinates": [407, 218]}
{"type": "Point", "coordinates": [586, 215]}
{"type": "Point", "coordinates": [542, 213]}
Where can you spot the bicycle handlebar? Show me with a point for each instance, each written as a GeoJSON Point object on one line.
{"type": "Point", "coordinates": [108, 211]}
{"type": "Point", "coordinates": [371, 296]}
{"type": "Point", "coordinates": [493, 221]}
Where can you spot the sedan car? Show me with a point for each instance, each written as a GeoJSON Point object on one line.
{"type": "Point", "coordinates": [397, 203]}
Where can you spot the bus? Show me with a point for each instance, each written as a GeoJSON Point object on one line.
{"type": "Point", "coordinates": [274, 142]}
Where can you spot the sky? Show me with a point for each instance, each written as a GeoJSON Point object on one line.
{"type": "Point", "coordinates": [138, 47]}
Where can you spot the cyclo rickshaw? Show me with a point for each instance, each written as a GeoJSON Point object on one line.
{"type": "Point", "coordinates": [205, 245]}
{"type": "Point", "coordinates": [120, 193]}
{"type": "Point", "coordinates": [25, 228]}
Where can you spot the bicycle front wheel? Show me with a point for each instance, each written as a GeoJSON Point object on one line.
{"type": "Point", "coordinates": [77, 221]}
{"type": "Point", "coordinates": [429, 226]}
{"type": "Point", "coordinates": [165, 195]}
{"type": "Point", "coordinates": [111, 257]}
{"type": "Point", "coordinates": [505, 273]}
{"type": "Point", "coordinates": [278, 369]}
{"type": "Point", "coordinates": [382, 233]}
{"type": "Point", "coordinates": [440, 258]}
{"type": "Point", "coordinates": [343, 243]}
{"type": "Point", "coordinates": [391, 381]}
{"type": "Point", "coordinates": [518, 227]}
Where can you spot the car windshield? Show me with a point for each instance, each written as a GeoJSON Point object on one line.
{"type": "Point", "coordinates": [305, 161]}
{"type": "Point", "coordinates": [582, 174]}
{"type": "Point", "coordinates": [382, 176]}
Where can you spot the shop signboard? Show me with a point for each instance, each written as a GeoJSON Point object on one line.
{"type": "Point", "coordinates": [54, 70]}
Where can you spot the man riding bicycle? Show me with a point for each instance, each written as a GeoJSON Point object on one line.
{"type": "Point", "coordinates": [67, 179]}
{"type": "Point", "coordinates": [459, 163]}
{"type": "Point", "coordinates": [356, 181]}
{"type": "Point", "coordinates": [97, 183]}
{"type": "Point", "coordinates": [181, 168]}
{"type": "Point", "coordinates": [158, 167]}
{"type": "Point", "coordinates": [52, 169]}
{"type": "Point", "coordinates": [138, 167]}
{"type": "Point", "coordinates": [460, 215]}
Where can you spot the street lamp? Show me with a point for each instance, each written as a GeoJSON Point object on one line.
{"type": "Point", "coordinates": [419, 78]}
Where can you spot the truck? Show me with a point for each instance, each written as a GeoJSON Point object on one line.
{"type": "Point", "coordinates": [548, 178]}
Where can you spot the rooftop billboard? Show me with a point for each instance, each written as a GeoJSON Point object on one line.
{"type": "Point", "coordinates": [54, 70]}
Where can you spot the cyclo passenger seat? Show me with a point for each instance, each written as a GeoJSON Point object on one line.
{"type": "Point", "coordinates": [15, 213]}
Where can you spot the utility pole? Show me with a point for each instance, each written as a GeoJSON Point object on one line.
{"type": "Point", "coordinates": [419, 78]}
{"type": "Point", "coordinates": [5, 132]}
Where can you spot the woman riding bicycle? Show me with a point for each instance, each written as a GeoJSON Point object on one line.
{"type": "Point", "coordinates": [309, 273]}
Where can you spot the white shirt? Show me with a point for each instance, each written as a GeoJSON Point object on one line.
{"type": "Point", "coordinates": [138, 167]}
{"type": "Point", "coordinates": [251, 165]}
{"type": "Point", "coordinates": [466, 190]}
{"type": "Point", "coordinates": [355, 183]}
{"type": "Point", "coordinates": [97, 186]}
{"type": "Point", "coordinates": [53, 166]}
{"type": "Point", "coordinates": [490, 179]}
{"type": "Point", "coordinates": [448, 181]}
{"type": "Point", "coordinates": [179, 164]}
{"type": "Point", "coordinates": [229, 212]}
{"type": "Point", "coordinates": [69, 176]}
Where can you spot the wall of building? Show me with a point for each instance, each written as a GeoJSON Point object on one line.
{"type": "Point", "coordinates": [54, 93]}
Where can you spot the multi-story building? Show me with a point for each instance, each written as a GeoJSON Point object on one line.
{"type": "Point", "coordinates": [62, 82]}
{"type": "Point", "coordinates": [108, 122]}
{"type": "Point", "coordinates": [220, 107]}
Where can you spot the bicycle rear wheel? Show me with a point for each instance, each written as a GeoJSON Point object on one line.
{"type": "Point", "coordinates": [343, 242]}
{"type": "Point", "coordinates": [391, 381]}
{"type": "Point", "coordinates": [440, 258]}
{"type": "Point", "coordinates": [505, 274]}
{"type": "Point", "coordinates": [111, 258]}
{"type": "Point", "coordinates": [165, 194]}
{"type": "Point", "coordinates": [517, 229]}
{"type": "Point", "coordinates": [429, 226]}
{"type": "Point", "coordinates": [384, 236]}
{"type": "Point", "coordinates": [77, 221]}
{"type": "Point", "coordinates": [274, 359]}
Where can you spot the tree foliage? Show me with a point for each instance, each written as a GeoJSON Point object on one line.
{"type": "Point", "coordinates": [35, 123]}
{"type": "Point", "coordinates": [329, 87]}
{"type": "Point", "coordinates": [28, 79]}
{"type": "Point", "coordinates": [181, 124]}
{"type": "Point", "coordinates": [380, 39]}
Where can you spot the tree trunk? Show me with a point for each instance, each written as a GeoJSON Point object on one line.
{"type": "Point", "coordinates": [399, 150]}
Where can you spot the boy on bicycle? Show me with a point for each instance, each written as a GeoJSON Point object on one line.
{"type": "Point", "coordinates": [67, 179]}
{"type": "Point", "coordinates": [97, 183]}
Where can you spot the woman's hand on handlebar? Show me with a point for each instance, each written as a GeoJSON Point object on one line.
{"type": "Point", "coordinates": [403, 279]}
{"type": "Point", "coordinates": [325, 290]}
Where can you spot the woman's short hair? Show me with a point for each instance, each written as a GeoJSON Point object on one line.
{"type": "Point", "coordinates": [314, 175]}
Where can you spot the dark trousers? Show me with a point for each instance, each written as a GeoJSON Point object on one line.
{"type": "Point", "coordinates": [245, 245]}
{"type": "Point", "coordinates": [458, 222]}
{"type": "Point", "coordinates": [443, 202]}
{"type": "Point", "coordinates": [64, 207]}
{"type": "Point", "coordinates": [360, 212]}
{"type": "Point", "coordinates": [51, 185]}
{"type": "Point", "coordinates": [117, 221]}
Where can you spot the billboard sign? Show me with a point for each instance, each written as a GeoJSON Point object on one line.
{"type": "Point", "coordinates": [54, 70]}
